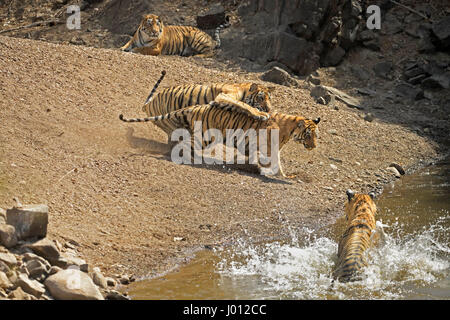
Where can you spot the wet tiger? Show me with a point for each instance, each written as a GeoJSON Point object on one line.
{"type": "Point", "coordinates": [228, 116]}
{"type": "Point", "coordinates": [251, 97]}
{"type": "Point", "coordinates": [360, 223]}
{"type": "Point", "coordinates": [152, 37]}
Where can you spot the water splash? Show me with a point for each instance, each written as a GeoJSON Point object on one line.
{"type": "Point", "coordinates": [397, 266]}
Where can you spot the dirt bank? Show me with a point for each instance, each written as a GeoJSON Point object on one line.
{"type": "Point", "coordinates": [109, 187]}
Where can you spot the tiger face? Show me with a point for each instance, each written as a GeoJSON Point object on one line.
{"type": "Point", "coordinates": [152, 26]}
{"type": "Point", "coordinates": [355, 202]}
{"type": "Point", "coordinates": [259, 97]}
{"type": "Point", "coordinates": [307, 133]}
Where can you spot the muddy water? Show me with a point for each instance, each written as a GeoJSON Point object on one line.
{"type": "Point", "coordinates": [412, 262]}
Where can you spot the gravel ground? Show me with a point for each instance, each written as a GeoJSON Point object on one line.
{"type": "Point", "coordinates": [110, 188]}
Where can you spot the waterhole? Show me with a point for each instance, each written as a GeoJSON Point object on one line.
{"type": "Point", "coordinates": [412, 262]}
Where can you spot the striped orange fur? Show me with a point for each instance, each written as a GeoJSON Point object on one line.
{"type": "Point", "coordinates": [360, 211]}
{"type": "Point", "coordinates": [152, 37]}
{"type": "Point", "coordinates": [253, 98]}
{"type": "Point", "coordinates": [228, 116]}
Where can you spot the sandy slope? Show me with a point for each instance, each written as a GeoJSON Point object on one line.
{"type": "Point", "coordinates": [110, 188]}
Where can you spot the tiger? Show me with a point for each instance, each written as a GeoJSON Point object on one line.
{"type": "Point", "coordinates": [360, 213]}
{"type": "Point", "coordinates": [152, 37]}
{"type": "Point", "coordinates": [224, 116]}
{"type": "Point", "coordinates": [252, 97]}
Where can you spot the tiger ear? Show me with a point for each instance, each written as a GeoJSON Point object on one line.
{"type": "Point", "coordinates": [253, 87]}
{"type": "Point", "coordinates": [350, 194]}
{"type": "Point", "coordinates": [372, 194]}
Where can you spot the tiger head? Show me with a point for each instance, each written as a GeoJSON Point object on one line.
{"type": "Point", "coordinates": [259, 97]}
{"type": "Point", "coordinates": [151, 27]}
{"type": "Point", "coordinates": [307, 133]}
{"type": "Point", "coordinates": [355, 203]}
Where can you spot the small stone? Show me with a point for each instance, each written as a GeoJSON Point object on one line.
{"type": "Point", "coordinates": [442, 31]}
{"type": "Point", "coordinates": [98, 278]}
{"type": "Point", "coordinates": [332, 131]}
{"type": "Point", "coordinates": [29, 220]}
{"type": "Point", "coordinates": [417, 79]}
{"type": "Point", "coordinates": [391, 25]}
{"type": "Point", "coordinates": [398, 167]}
{"type": "Point", "coordinates": [46, 249]}
{"type": "Point", "coordinates": [84, 267]}
{"type": "Point", "coordinates": [367, 92]}
{"type": "Point", "coordinates": [5, 283]}
{"type": "Point", "coordinates": [321, 100]}
{"type": "Point", "coordinates": [32, 287]}
{"type": "Point", "coordinates": [2, 216]}
{"type": "Point", "coordinates": [53, 270]}
{"type": "Point", "coordinates": [77, 41]}
{"type": "Point", "coordinates": [334, 167]}
{"type": "Point", "coordinates": [36, 268]}
{"type": "Point", "coordinates": [373, 44]}
{"type": "Point", "coordinates": [369, 117]}
{"type": "Point", "coordinates": [19, 294]}
{"type": "Point", "coordinates": [383, 69]}
{"type": "Point", "coordinates": [437, 81]}
{"type": "Point", "coordinates": [111, 282]}
{"type": "Point", "coordinates": [12, 275]}
{"type": "Point", "coordinates": [116, 295]}
{"type": "Point", "coordinates": [72, 284]}
{"type": "Point", "coordinates": [408, 91]}
{"type": "Point", "coordinates": [394, 172]}
{"type": "Point", "coordinates": [319, 92]}
{"type": "Point", "coordinates": [333, 57]}
{"type": "Point", "coordinates": [124, 279]}
{"type": "Point", "coordinates": [8, 258]}
{"type": "Point", "coordinates": [73, 260]}
{"type": "Point", "coordinates": [8, 236]}
{"type": "Point", "coordinates": [69, 245]}
{"type": "Point", "coordinates": [279, 76]}
{"type": "Point", "coordinates": [314, 80]}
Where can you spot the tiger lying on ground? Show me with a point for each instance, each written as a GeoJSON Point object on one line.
{"type": "Point", "coordinates": [152, 37]}
{"type": "Point", "coordinates": [228, 116]}
{"type": "Point", "coordinates": [251, 97]}
{"type": "Point", "coordinates": [360, 217]}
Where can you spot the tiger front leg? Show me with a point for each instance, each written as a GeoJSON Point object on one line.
{"type": "Point", "coordinates": [147, 51]}
{"type": "Point", "coordinates": [270, 165]}
{"type": "Point", "coordinates": [242, 107]}
{"type": "Point", "coordinates": [127, 47]}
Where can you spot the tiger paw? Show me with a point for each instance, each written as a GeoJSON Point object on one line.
{"type": "Point", "coordinates": [262, 117]}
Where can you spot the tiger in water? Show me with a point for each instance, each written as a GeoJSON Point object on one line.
{"type": "Point", "coordinates": [154, 38]}
{"type": "Point", "coordinates": [223, 116]}
{"type": "Point", "coordinates": [360, 211]}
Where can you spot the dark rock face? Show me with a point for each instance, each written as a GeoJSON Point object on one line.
{"type": "Point", "coordinates": [213, 18]}
{"type": "Point", "coordinates": [441, 30]}
{"type": "Point", "coordinates": [303, 35]}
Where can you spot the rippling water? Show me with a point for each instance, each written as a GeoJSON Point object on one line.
{"type": "Point", "coordinates": [412, 261]}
